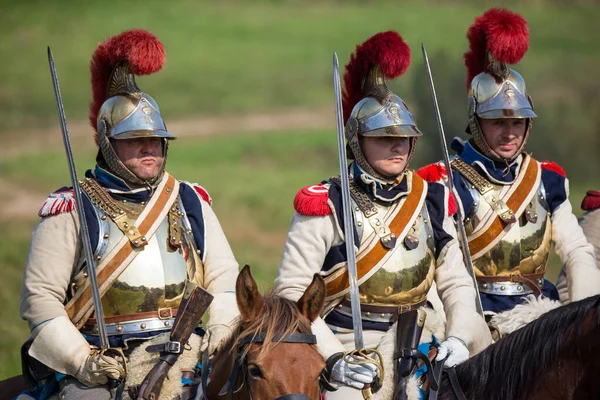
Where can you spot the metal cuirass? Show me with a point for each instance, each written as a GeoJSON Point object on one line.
{"type": "Point", "coordinates": [525, 247]}
{"type": "Point", "coordinates": [407, 275]}
{"type": "Point", "coordinates": [156, 277]}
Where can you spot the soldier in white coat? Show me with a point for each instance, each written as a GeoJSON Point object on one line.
{"type": "Point", "coordinates": [515, 206]}
{"type": "Point", "coordinates": [405, 237]}
{"type": "Point", "coordinates": [150, 234]}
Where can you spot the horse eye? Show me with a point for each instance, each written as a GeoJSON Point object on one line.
{"type": "Point", "coordinates": [255, 372]}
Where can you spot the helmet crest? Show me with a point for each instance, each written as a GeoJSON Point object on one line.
{"type": "Point", "coordinates": [499, 33]}
{"type": "Point", "coordinates": [144, 53]}
{"type": "Point", "coordinates": [385, 50]}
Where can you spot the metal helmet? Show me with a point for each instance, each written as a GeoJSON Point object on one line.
{"type": "Point", "coordinates": [370, 107]}
{"type": "Point", "coordinates": [120, 109]}
{"type": "Point", "coordinates": [497, 38]}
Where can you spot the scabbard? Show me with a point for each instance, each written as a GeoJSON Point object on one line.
{"type": "Point", "coordinates": [408, 334]}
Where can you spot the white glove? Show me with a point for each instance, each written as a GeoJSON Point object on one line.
{"type": "Point", "coordinates": [354, 375]}
{"type": "Point", "coordinates": [102, 365]}
{"type": "Point", "coordinates": [214, 337]}
{"type": "Point", "coordinates": [60, 346]}
{"type": "Point", "coordinates": [453, 350]}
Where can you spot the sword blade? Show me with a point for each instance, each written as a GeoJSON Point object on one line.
{"type": "Point", "coordinates": [462, 234]}
{"type": "Point", "coordinates": [84, 231]}
{"type": "Point", "coordinates": [348, 220]}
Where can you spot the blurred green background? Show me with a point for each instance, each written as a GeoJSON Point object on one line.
{"type": "Point", "coordinates": [247, 87]}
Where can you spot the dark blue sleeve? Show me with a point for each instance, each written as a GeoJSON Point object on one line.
{"type": "Point", "coordinates": [462, 188]}
{"type": "Point", "coordinates": [193, 210]}
{"type": "Point", "coordinates": [554, 185]}
{"type": "Point", "coordinates": [335, 195]}
{"type": "Point", "coordinates": [437, 210]}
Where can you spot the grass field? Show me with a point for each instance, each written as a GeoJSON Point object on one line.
{"type": "Point", "coordinates": [263, 55]}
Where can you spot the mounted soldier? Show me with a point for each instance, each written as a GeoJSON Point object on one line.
{"type": "Point", "coordinates": [152, 236]}
{"type": "Point", "coordinates": [514, 205]}
{"type": "Point", "coordinates": [404, 236]}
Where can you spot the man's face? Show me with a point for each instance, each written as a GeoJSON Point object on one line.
{"type": "Point", "coordinates": [504, 135]}
{"type": "Point", "coordinates": [143, 156]}
{"type": "Point", "coordinates": [387, 155]}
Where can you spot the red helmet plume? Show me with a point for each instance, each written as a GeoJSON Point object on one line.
{"type": "Point", "coordinates": [501, 33]}
{"type": "Point", "coordinates": [386, 50]}
{"type": "Point", "coordinates": [141, 49]}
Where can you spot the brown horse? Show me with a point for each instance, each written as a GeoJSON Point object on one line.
{"type": "Point", "coordinates": [272, 354]}
{"type": "Point", "coordinates": [556, 356]}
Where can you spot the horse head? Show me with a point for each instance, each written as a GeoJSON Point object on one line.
{"type": "Point", "coordinates": [556, 356]}
{"type": "Point", "coordinates": [272, 353]}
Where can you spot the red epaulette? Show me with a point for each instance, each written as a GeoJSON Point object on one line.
{"type": "Point", "coordinates": [312, 201]}
{"type": "Point", "coordinates": [202, 193]}
{"type": "Point", "coordinates": [552, 166]}
{"type": "Point", "coordinates": [433, 172]}
{"type": "Point", "coordinates": [452, 206]}
{"type": "Point", "coordinates": [58, 202]}
{"type": "Point", "coordinates": [591, 201]}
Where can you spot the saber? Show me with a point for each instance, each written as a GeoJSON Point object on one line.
{"type": "Point", "coordinates": [348, 221]}
{"type": "Point", "coordinates": [85, 236]}
{"type": "Point", "coordinates": [462, 234]}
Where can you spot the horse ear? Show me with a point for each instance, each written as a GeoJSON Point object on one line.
{"type": "Point", "coordinates": [249, 300]}
{"type": "Point", "coordinates": [311, 302]}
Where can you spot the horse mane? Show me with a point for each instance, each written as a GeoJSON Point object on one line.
{"type": "Point", "coordinates": [278, 317]}
{"type": "Point", "coordinates": [503, 370]}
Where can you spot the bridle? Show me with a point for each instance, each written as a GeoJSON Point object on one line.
{"type": "Point", "coordinates": [241, 363]}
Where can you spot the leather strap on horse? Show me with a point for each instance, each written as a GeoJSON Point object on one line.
{"type": "Point", "coordinates": [399, 226]}
{"type": "Point", "coordinates": [80, 307]}
{"type": "Point", "coordinates": [451, 372]}
{"type": "Point", "coordinates": [527, 280]}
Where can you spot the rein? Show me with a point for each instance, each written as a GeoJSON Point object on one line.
{"type": "Point", "coordinates": [240, 363]}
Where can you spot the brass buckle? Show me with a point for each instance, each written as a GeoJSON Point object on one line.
{"type": "Point", "coordinates": [165, 313]}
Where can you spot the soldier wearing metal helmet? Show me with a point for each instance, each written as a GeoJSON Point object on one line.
{"type": "Point", "coordinates": [514, 205]}
{"type": "Point", "coordinates": [150, 234]}
{"type": "Point", "coordinates": [405, 238]}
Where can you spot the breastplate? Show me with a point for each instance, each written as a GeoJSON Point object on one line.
{"type": "Point", "coordinates": [406, 276]}
{"type": "Point", "coordinates": [525, 247]}
{"type": "Point", "coordinates": [156, 277]}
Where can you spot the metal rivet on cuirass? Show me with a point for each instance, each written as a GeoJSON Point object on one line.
{"type": "Point", "coordinates": [103, 218]}
{"type": "Point", "coordinates": [143, 238]}
{"type": "Point", "coordinates": [143, 326]}
{"type": "Point", "coordinates": [143, 203]}
{"type": "Point", "coordinates": [167, 323]}
{"type": "Point", "coordinates": [98, 258]}
{"type": "Point", "coordinates": [124, 201]}
{"type": "Point", "coordinates": [519, 288]}
{"type": "Point", "coordinates": [359, 223]}
{"type": "Point", "coordinates": [367, 314]}
{"type": "Point", "coordinates": [106, 236]}
{"type": "Point", "coordinates": [119, 328]}
{"type": "Point", "coordinates": [484, 285]}
{"type": "Point", "coordinates": [168, 190]}
{"type": "Point", "coordinates": [135, 242]}
{"type": "Point", "coordinates": [502, 288]}
{"type": "Point", "coordinates": [85, 275]}
{"type": "Point", "coordinates": [382, 315]}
